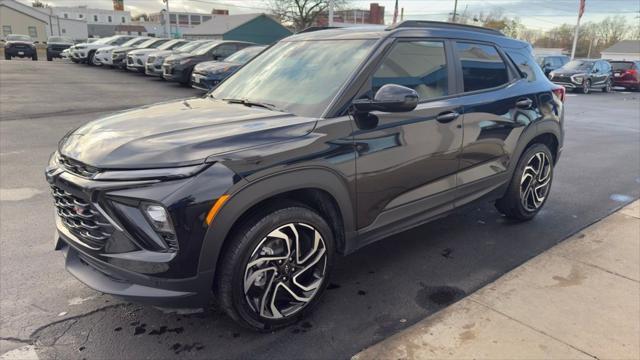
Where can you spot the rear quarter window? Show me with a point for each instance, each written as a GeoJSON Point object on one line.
{"type": "Point", "coordinates": [526, 63]}
{"type": "Point", "coordinates": [482, 66]}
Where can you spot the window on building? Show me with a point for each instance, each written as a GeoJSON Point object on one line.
{"type": "Point", "coordinates": [95, 18]}
{"type": "Point", "coordinates": [183, 19]}
{"type": "Point", "coordinates": [206, 18]}
{"type": "Point", "coordinates": [172, 19]}
{"type": "Point", "coordinates": [66, 16]}
{"type": "Point", "coordinates": [80, 16]}
{"type": "Point", "coordinates": [195, 19]}
{"type": "Point", "coordinates": [419, 65]}
{"type": "Point", "coordinates": [109, 19]}
{"type": "Point", "coordinates": [64, 31]}
{"type": "Point", "coordinates": [33, 32]}
{"type": "Point", "coordinates": [6, 30]}
{"type": "Point", "coordinates": [124, 20]}
{"type": "Point", "coordinates": [482, 66]}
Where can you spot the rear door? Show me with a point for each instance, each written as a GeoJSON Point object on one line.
{"type": "Point", "coordinates": [498, 105]}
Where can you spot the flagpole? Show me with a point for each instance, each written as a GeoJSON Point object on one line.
{"type": "Point", "coordinates": [331, 13]}
{"type": "Point", "coordinates": [395, 13]}
{"type": "Point", "coordinates": [575, 36]}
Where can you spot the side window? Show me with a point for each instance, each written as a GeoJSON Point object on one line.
{"type": "Point", "coordinates": [482, 66]}
{"type": "Point", "coordinates": [33, 32]}
{"type": "Point", "coordinates": [224, 50]}
{"type": "Point", "coordinates": [420, 65]}
{"type": "Point", "coordinates": [556, 62]}
{"type": "Point", "coordinates": [526, 65]}
{"type": "Point", "coordinates": [6, 30]}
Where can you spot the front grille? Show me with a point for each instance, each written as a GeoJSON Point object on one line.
{"type": "Point", "coordinates": [129, 60]}
{"type": "Point", "coordinates": [58, 47]}
{"type": "Point", "coordinates": [77, 167]}
{"type": "Point", "coordinates": [562, 79]}
{"type": "Point", "coordinates": [82, 219]}
{"type": "Point", "coordinates": [139, 62]}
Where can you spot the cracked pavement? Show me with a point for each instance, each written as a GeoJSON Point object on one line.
{"type": "Point", "coordinates": [381, 289]}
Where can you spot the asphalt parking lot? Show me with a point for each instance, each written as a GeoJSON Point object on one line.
{"type": "Point", "coordinates": [374, 292]}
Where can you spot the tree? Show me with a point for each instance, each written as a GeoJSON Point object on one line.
{"type": "Point", "coordinates": [140, 17]}
{"type": "Point", "coordinates": [300, 14]}
{"type": "Point", "coordinates": [39, 4]}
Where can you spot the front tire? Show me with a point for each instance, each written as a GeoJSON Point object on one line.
{"type": "Point", "coordinates": [586, 86]}
{"type": "Point", "coordinates": [275, 267]}
{"type": "Point", "coordinates": [530, 186]}
{"type": "Point", "coordinates": [90, 58]}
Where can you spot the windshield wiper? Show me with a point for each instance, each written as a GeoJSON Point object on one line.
{"type": "Point", "coordinates": [249, 103]}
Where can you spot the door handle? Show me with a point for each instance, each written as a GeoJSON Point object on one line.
{"type": "Point", "coordinates": [524, 103]}
{"type": "Point", "coordinates": [447, 117]}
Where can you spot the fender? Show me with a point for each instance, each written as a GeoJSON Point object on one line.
{"type": "Point", "coordinates": [264, 188]}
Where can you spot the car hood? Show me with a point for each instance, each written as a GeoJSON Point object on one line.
{"type": "Point", "coordinates": [178, 133]}
{"type": "Point", "coordinates": [569, 72]}
{"type": "Point", "coordinates": [59, 43]}
{"type": "Point", "coordinates": [180, 56]}
{"type": "Point", "coordinates": [142, 51]}
{"type": "Point", "coordinates": [212, 67]}
{"type": "Point", "coordinates": [108, 48]}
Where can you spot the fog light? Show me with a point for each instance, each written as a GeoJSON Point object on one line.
{"type": "Point", "coordinates": [159, 218]}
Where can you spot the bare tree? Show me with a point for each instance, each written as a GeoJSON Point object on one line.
{"type": "Point", "coordinates": [300, 14]}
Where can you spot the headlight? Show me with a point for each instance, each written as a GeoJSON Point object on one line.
{"type": "Point", "coordinates": [578, 78]}
{"type": "Point", "coordinates": [151, 174]}
{"type": "Point", "coordinates": [551, 75]}
{"type": "Point", "coordinates": [54, 161]}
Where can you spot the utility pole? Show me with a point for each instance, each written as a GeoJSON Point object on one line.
{"type": "Point", "coordinates": [167, 24]}
{"type": "Point", "coordinates": [455, 10]}
{"type": "Point", "coordinates": [331, 12]}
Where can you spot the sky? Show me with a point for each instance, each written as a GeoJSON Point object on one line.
{"type": "Point", "coordinates": [536, 14]}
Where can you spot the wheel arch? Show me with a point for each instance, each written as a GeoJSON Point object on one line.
{"type": "Point", "coordinates": [321, 189]}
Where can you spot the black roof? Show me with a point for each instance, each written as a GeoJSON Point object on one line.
{"type": "Point", "coordinates": [410, 29]}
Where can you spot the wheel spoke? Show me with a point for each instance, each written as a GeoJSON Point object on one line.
{"type": "Point", "coordinates": [535, 181]}
{"type": "Point", "coordinates": [301, 272]}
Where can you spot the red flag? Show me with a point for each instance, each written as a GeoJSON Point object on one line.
{"type": "Point", "coordinates": [580, 12]}
{"type": "Point", "coordinates": [395, 13]}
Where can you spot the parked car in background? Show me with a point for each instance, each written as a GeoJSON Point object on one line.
{"type": "Point", "coordinates": [103, 56]}
{"type": "Point", "coordinates": [139, 56]}
{"type": "Point", "coordinates": [119, 56]}
{"type": "Point", "coordinates": [64, 54]}
{"type": "Point", "coordinates": [208, 74]}
{"type": "Point", "coordinates": [153, 66]}
{"type": "Point", "coordinates": [324, 143]}
{"type": "Point", "coordinates": [56, 45]}
{"type": "Point", "coordinates": [626, 74]}
{"type": "Point", "coordinates": [84, 52]}
{"type": "Point", "coordinates": [551, 62]}
{"type": "Point", "coordinates": [22, 46]}
{"type": "Point", "coordinates": [584, 75]}
{"type": "Point", "coordinates": [178, 67]}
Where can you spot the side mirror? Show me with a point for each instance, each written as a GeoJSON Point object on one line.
{"type": "Point", "coordinates": [389, 98]}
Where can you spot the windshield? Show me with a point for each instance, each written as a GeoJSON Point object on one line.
{"type": "Point", "coordinates": [18, 38]}
{"type": "Point", "coordinates": [245, 55]}
{"type": "Point", "coordinates": [578, 65]}
{"type": "Point", "coordinates": [171, 44]}
{"type": "Point", "coordinates": [622, 65]}
{"type": "Point", "coordinates": [204, 49]}
{"type": "Point", "coordinates": [60, 39]}
{"type": "Point", "coordinates": [190, 46]}
{"type": "Point", "coordinates": [135, 41]}
{"type": "Point", "coordinates": [300, 77]}
{"type": "Point", "coordinates": [153, 43]}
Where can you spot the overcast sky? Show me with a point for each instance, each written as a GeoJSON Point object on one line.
{"type": "Point", "coordinates": [541, 14]}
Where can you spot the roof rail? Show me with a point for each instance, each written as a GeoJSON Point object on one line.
{"type": "Point", "coordinates": [316, 28]}
{"type": "Point", "coordinates": [442, 25]}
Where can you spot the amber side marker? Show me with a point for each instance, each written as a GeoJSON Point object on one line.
{"type": "Point", "coordinates": [216, 207]}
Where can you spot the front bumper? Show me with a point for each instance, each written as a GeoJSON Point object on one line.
{"type": "Point", "coordinates": [153, 70]}
{"type": "Point", "coordinates": [55, 53]}
{"type": "Point", "coordinates": [124, 263]}
{"type": "Point", "coordinates": [103, 58]}
{"type": "Point", "coordinates": [204, 82]}
{"type": "Point", "coordinates": [135, 63]}
{"type": "Point", "coordinates": [177, 73]}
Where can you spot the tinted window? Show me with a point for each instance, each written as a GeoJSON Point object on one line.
{"type": "Point", "coordinates": [482, 67]}
{"type": "Point", "coordinates": [420, 65]}
{"type": "Point", "coordinates": [622, 65]}
{"type": "Point", "coordinates": [526, 64]}
{"type": "Point", "coordinates": [224, 50]}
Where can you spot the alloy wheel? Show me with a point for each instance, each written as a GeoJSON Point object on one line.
{"type": "Point", "coordinates": [585, 86]}
{"type": "Point", "coordinates": [285, 271]}
{"type": "Point", "coordinates": [535, 181]}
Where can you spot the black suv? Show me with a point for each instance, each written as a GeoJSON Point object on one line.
{"type": "Point", "coordinates": [19, 46]}
{"type": "Point", "coordinates": [584, 75]}
{"type": "Point", "coordinates": [551, 62]}
{"type": "Point", "coordinates": [56, 45]}
{"type": "Point", "coordinates": [324, 143]}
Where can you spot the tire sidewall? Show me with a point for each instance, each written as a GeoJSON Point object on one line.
{"type": "Point", "coordinates": [586, 86]}
{"type": "Point", "coordinates": [248, 242]}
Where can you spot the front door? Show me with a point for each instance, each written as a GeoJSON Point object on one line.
{"type": "Point", "coordinates": [405, 158]}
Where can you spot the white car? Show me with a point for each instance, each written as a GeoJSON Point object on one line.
{"type": "Point", "coordinates": [136, 59]}
{"type": "Point", "coordinates": [65, 54]}
{"type": "Point", "coordinates": [84, 52]}
{"type": "Point", "coordinates": [153, 65]}
{"type": "Point", "coordinates": [103, 56]}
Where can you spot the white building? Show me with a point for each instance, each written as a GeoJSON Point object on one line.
{"type": "Point", "coordinates": [93, 16]}
{"type": "Point", "coordinates": [624, 50]}
{"type": "Point", "coordinates": [39, 24]}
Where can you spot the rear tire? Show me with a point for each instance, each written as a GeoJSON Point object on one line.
{"type": "Point", "coordinates": [34, 58]}
{"type": "Point", "coordinates": [258, 271]}
{"type": "Point", "coordinates": [607, 87]}
{"type": "Point", "coordinates": [49, 58]}
{"type": "Point", "coordinates": [530, 186]}
{"type": "Point", "coordinates": [90, 58]}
